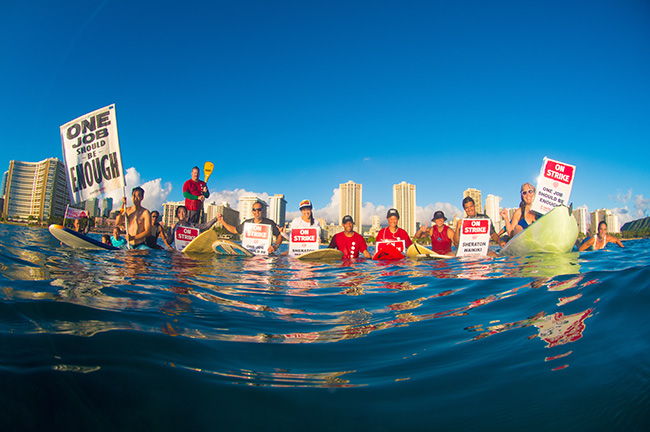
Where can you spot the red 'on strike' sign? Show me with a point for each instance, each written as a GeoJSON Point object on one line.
{"type": "Point", "coordinates": [558, 172]}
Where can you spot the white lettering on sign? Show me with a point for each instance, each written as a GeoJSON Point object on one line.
{"type": "Point", "coordinates": [553, 186]}
{"type": "Point", "coordinates": [474, 237]}
{"type": "Point", "coordinates": [303, 240]}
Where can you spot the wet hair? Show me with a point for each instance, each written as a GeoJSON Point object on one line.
{"type": "Point", "coordinates": [106, 239]}
{"type": "Point", "coordinates": [178, 208]}
{"type": "Point", "coordinates": [136, 189]}
{"type": "Point", "coordinates": [522, 204]}
{"type": "Point", "coordinates": [156, 212]}
{"type": "Point", "coordinates": [468, 199]}
{"type": "Point", "coordinates": [602, 223]}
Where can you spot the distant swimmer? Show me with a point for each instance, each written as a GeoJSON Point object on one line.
{"type": "Point", "coordinates": [117, 240]}
{"type": "Point", "coordinates": [157, 231]}
{"type": "Point", "coordinates": [348, 241]}
{"type": "Point", "coordinates": [182, 216]}
{"type": "Point", "coordinates": [78, 226]}
{"type": "Point", "coordinates": [258, 219]}
{"type": "Point", "coordinates": [470, 208]}
{"type": "Point", "coordinates": [442, 236]}
{"type": "Point", "coordinates": [392, 232]}
{"type": "Point", "coordinates": [600, 240]}
{"type": "Point", "coordinates": [195, 192]}
{"type": "Point", "coordinates": [522, 217]}
{"type": "Point", "coordinates": [138, 220]}
{"type": "Point", "coordinates": [106, 239]}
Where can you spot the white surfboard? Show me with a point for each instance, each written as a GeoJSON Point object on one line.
{"type": "Point", "coordinates": [555, 232]}
{"type": "Point", "coordinates": [77, 240]}
{"type": "Point", "coordinates": [225, 247]}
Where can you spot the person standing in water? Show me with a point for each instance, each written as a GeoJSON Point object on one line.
{"type": "Point", "coordinates": [392, 232]}
{"type": "Point", "coordinates": [157, 230]}
{"type": "Point", "coordinates": [441, 235]}
{"type": "Point", "coordinates": [600, 240]}
{"type": "Point", "coordinates": [522, 217]}
{"type": "Point", "coordinates": [470, 209]}
{"type": "Point", "coordinates": [348, 241]}
{"type": "Point", "coordinates": [257, 219]}
{"type": "Point", "coordinates": [195, 192]}
{"type": "Point", "coordinates": [183, 221]}
{"type": "Point", "coordinates": [137, 220]}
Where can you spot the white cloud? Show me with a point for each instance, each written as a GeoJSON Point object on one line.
{"type": "Point", "coordinates": [155, 193]}
{"type": "Point", "coordinates": [621, 197]}
{"type": "Point", "coordinates": [625, 213]}
{"type": "Point", "coordinates": [424, 214]}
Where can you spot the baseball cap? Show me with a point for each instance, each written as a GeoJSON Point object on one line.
{"type": "Point", "coordinates": [346, 219]}
{"type": "Point", "coordinates": [305, 203]}
{"type": "Point", "coordinates": [392, 212]}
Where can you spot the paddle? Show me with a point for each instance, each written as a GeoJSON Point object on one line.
{"type": "Point", "coordinates": [207, 170]}
{"type": "Point", "coordinates": [208, 167]}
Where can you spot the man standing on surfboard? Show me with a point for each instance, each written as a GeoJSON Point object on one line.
{"type": "Point", "coordinates": [348, 241]}
{"type": "Point", "coordinates": [195, 192]}
{"type": "Point", "coordinates": [138, 220]}
{"type": "Point", "coordinates": [394, 234]}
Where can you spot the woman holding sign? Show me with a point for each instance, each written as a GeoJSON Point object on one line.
{"type": "Point", "coordinates": [523, 217]}
{"type": "Point", "coordinates": [600, 240]}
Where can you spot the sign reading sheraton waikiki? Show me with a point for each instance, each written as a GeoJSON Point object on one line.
{"type": "Point", "coordinates": [474, 237]}
{"type": "Point", "coordinates": [553, 186]}
{"type": "Point", "coordinates": [91, 150]}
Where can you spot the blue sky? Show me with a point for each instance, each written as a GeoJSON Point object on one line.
{"type": "Point", "coordinates": [295, 97]}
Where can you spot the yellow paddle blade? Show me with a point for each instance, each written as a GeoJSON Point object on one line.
{"type": "Point", "coordinates": [207, 170]}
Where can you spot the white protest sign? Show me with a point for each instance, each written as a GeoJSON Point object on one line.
{"type": "Point", "coordinates": [474, 237]}
{"type": "Point", "coordinates": [553, 186]}
{"type": "Point", "coordinates": [400, 245]}
{"type": "Point", "coordinates": [303, 240]}
{"type": "Point", "coordinates": [91, 151]}
{"type": "Point", "coordinates": [257, 238]}
{"type": "Point", "coordinates": [184, 235]}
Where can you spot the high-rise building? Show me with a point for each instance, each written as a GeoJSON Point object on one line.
{"type": "Point", "coordinates": [92, 207]}
{"type": "Point", "coordinates": [169, 212]}
{"type": "Point", "coordinates": [404, 202]}
{"type": "Point", "coordinates": [278, 209]}
{"type": "Point", "coordinates": [350, 203]}
{"type": "Point", "coordinates": [230, 215]}
{"type": "Point", "coordinates": [581, 215]}
{"type": "Point", "coordinates": [36, 189]}
{"type": "Point", "coordinates": [613, 226]}
{"type": "Point", "coordinates": [107, 207]}
{"type": "Point", "coordinates": [492, 210]}
{"type": "Point", "coordinates": [246, 207]}
{"type": "Point", "coordinates": [475, 194]}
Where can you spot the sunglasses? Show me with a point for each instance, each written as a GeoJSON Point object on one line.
{"type": "Point", "coordinates": [257, 209]}
{"type": "Point", "coordinates": [529, 191]}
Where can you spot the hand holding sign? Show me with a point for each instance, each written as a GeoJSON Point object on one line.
{"type": "Point", "coordinates": [553, 186]}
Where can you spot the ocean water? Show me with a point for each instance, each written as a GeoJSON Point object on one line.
{"type": "Point", "coordinates": [157, 340]}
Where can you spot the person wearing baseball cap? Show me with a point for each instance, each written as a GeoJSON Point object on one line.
{"type": "Point", "coordinates": [393, 234]}
{"type": "Point", "coordinates": [441, 235]}
{"type": "Point", "coordinates": [306, 220]}
{"type": "Point", "coordinates": [349, 242]}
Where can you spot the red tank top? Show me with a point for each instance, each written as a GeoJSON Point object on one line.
{"type": "Point", "coordinates": [440, 242]}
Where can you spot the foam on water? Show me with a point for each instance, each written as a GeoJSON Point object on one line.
{"type": "Point", "coordinates": [158, 340]}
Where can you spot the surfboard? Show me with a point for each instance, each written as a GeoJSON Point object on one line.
{"type": "Point", "coordinates": [77, 240]}
{"type": "Point", "coordinates": [226, 247]}
{"type": "Point", "coordinates": [326, 254]}
{"type": "Point", "coordinates": [417, 251]}
{"type": "Point", "coordinates": [388, 252]}
{"type": "Point", "coordinates": [555, 232]}
{"type": "Point", "coordinates": [209, 242]}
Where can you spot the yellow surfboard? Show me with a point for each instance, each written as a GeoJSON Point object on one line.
{"type": "Point", "coordinates": [326, 254]}
{"type": "Point", "coordinates": [417, 251]}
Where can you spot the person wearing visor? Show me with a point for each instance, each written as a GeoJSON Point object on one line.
{"type": "Point", "coordinates": [349, 242]}
{"type": "Point", "coordinates": [392, 233]}
{"type": "Point", "coordinates": [442, 236]}
{"type": "Point", "coordinates": [257, 219]}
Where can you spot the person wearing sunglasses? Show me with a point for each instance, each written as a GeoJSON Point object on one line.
{"type": "Point", "coordinates": [258, 219]}
{"type": "Point", "coordinates": [522, 217]}
{"type": "Point", "coordinates": [156, 231]}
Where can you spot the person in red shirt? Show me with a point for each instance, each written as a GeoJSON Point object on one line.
{"type": "Point", "coordinates": [195, 192]}
{"type": "Point", "coordinates": [441, 235]}
{"type": "Point", "coordinates": [393, 234]}
{"type": "Point", "coordinates": [348, 241]}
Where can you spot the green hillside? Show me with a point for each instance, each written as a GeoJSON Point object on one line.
{"type": "Point", "coordinates": [637, 228]}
